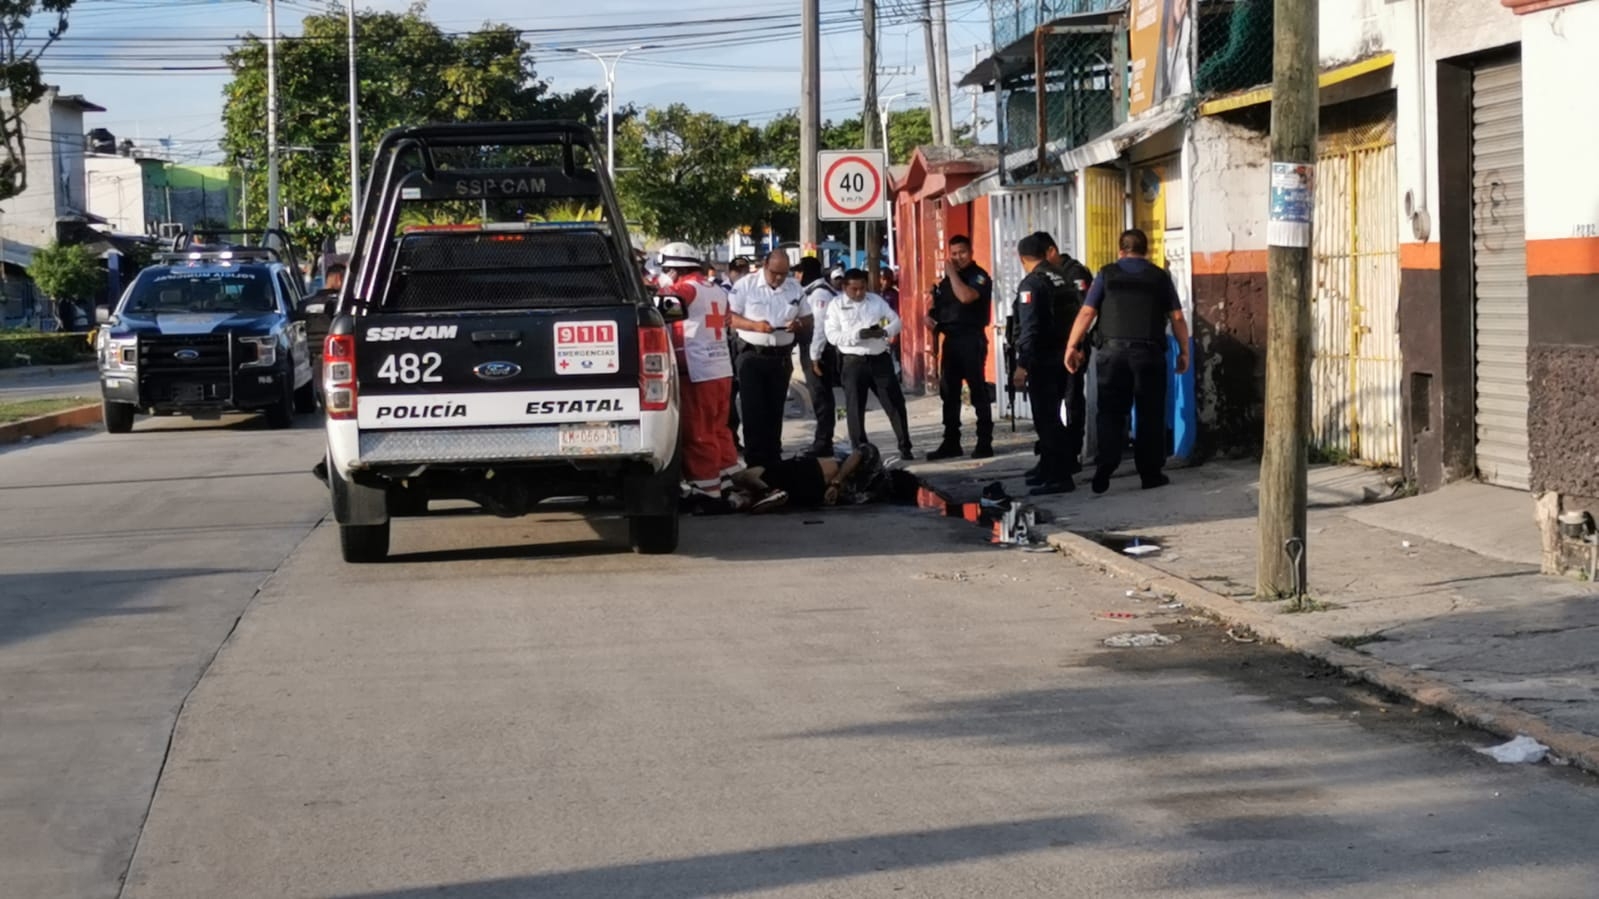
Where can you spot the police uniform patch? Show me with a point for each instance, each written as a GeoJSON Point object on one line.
{"type": "Point", "coordinates": [1027, 297]}
{"type": "Point", "coordinates": [980, 279]}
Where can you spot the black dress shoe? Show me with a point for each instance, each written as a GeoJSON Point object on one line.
{"type": "Point", "coordinates": [1159, 480]}
{"type": "Point", "coordinates": [946, 451]}
{"type": "Point", "coordinates": [907, 455]}
{"type": "Point", "coordinates": [983, 451]}
{"type": "Point", "coordinates": [1052, 488]}
{"type": "Point", "coordinates": [1101, 481]}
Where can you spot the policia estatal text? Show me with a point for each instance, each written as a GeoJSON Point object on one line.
{"type": "Point", "coordinates": [962, 310]}
{"type": "Point", "coordinates": [1132, 299]}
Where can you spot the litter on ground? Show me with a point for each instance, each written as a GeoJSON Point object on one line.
{"type": "Point", "coordinates": [1139, 550]}
{"type": "Point", "coordinates": [1523, 750]}
{"type": "Point", "coordinates": [1141, 640]}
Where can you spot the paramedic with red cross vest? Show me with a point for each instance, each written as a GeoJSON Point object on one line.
{"type": "Point", "coordinates": [707, 392]}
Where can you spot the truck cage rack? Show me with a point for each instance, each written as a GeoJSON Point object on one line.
{"type": "Point", "coordinates": [274, 245]}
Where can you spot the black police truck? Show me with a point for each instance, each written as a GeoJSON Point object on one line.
{"type": "Point", "coordinates": [207, 329]}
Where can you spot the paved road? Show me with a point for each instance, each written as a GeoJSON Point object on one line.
{"type": "Point", "coordinates": [15, 386]}
{"type": "Point", "coordinates": [862, 703]}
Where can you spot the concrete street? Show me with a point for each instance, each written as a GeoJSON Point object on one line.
{"type": "Point", "coordinates": [857, 702]}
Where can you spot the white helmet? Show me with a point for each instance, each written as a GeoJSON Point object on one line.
{"type": "Point", "coordinates": [680, 255]}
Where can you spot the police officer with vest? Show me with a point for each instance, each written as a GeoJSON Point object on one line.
{"type": "Point", "coordinates": [1132, 300]}
{"type": "Point", "coordinates": [962, 309]}
{"type": "Point", "coordinates": [1046, 304]}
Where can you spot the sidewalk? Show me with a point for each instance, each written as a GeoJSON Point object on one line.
{"type": "Point", "coordinates": [1443, 587]}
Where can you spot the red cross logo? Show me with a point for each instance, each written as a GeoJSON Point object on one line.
{"type": "Point", "coordinates": [715, 320]}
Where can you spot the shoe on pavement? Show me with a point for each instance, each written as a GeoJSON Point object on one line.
{"type": "Point", "coordinates": [1159, 480]}
{"type": "Point", "coordinates": [983, 451]}
{"type": "Point", "coordinates": [946, 451]}
{"type": "Point", "coordinates": [1101, 481]}
{"type": "Point", "coordinates": [907, 455]}
{"type": "Point", "coordinates": [1052, 488]}
{"type": "Point", "coordinates": [774, 499]}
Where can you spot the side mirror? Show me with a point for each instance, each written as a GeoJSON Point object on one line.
{"type": "Point", "coordinates": [102, 315]}
{"type": "Point", "coordinates": [671, 308]}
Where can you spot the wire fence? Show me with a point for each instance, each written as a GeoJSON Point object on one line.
{"type": "Point", "coordinates": [1235, 46]}
{"type": "Point", "coordinates": [1082, 99]}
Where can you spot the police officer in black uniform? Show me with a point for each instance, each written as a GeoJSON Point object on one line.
{"type": "Point", "coordinates": [962, 309]}
{"type": "Point", "coordinates": [1046, 305]}
{"type": "Point", "coordinates": [1076, 382]}
{"type": "Point", "coordinates": [1132, 300]}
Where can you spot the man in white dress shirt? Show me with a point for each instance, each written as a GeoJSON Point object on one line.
{"type": "Point", "coordinates": [769, 314]}
{"type": "Point", "coordinates": [862, 325]}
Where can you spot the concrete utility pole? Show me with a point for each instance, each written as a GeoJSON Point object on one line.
{"type": "Point", "coordinates": [273, 200]}
{"type": "Point", "coordinates": [355, 129]}
{"type": "Point", "coordinates": [883, 106]}
{"type": "Point", "coordinates": [810, 116]}
{"type": "Point", "coordinates": [1294, 112]}
{"type": "Point", "coordinates": [869, 120]}
{"type": "Point", "coordinates": [946, 124]}
{"type": "Point", "coordinates": [935, 73]}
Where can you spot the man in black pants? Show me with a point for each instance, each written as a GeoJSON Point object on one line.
{"type": "Point", "coordinates": [1133, 300]}
{"type": "Point", "coordinates": [769, 312]}
{"type": "Point", "coordinates": [861, 325]}
{"type": "Point", "coordinates": [1046, 303]}
{"type": "Point", "coordinates": [819, 360]}
{"type": "Point", "coordinates": [962, 309]}
{"type": "Point", "coordinates": [1076, 382]}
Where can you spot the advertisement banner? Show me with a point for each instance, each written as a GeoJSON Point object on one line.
{"type": "Point", "coordinates": [1160, 37]}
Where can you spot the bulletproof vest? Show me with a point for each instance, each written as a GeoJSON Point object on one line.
{"type": "Point", "coordinates": [1135, 306]}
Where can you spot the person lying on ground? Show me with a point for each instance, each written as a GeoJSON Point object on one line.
{"type": "Point", "coordinates": [813, 482]}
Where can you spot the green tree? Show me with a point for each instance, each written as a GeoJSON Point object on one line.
{"type": "Point", "coordinates": [411, 72]}
{"type": "Point", "coordinates": [683, 174]}
{"type": "Point", "coordinates": [20, 82]}
{"type": "Point", "coordinates": [67, 272]}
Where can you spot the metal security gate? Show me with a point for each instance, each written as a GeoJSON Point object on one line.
{"type": "Point", "coordinates": [1499, 261]}
{"type": "Point", "coordinates": [1356, 367]}
{"type": "Point", "coordinates": [1017, 212]}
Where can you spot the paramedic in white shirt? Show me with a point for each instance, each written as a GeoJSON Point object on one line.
{"type": "Point", "coordinates": [769, 314]}
{"type": "Point", "coordinates": [862, 325]}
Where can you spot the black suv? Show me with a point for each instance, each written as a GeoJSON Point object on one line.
{"type": "Point", "coordinates": [207, 330]}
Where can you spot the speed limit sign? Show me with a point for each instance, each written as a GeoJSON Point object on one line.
{"type": "Point", "coordinates": [853, 186]}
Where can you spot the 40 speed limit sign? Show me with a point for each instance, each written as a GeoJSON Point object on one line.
{"type": "Point", "coordinates": [853, 185]}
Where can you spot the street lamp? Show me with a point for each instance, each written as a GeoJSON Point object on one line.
{"type": "Point", "coordinates": [355, 129]}
{"type": "Point", "coordinates": [608, 61]}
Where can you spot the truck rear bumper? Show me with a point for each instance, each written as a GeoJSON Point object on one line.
{"type": "Point", "coordinates": [476, 446]}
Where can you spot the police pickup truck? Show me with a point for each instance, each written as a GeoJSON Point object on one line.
{"type": "Point", "coordinates": [492, 343]}
{"type": "Point", "coordinates": [206, 330]}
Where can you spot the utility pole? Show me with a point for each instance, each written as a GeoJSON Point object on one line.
{"type": "Point", "coordinates": [946, 134]}
{"type": "Point", "coordinates": [273, 200]}
{"type": "Point", "coordinates": [355, 129]}
{"type": "Point", "coordinates": [869, 120]}
{"type": "Point", "coordinates": [1294, 110]}
{"type": "Point", "coordinates": [810, 116]}
{"type": "Point", "coordinates": [935, 109]}
{"type": "Point", "coordinates": [884, 104]}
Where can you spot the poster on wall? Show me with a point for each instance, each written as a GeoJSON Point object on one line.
{"type": "Point", "coordinates": [1161, 40]}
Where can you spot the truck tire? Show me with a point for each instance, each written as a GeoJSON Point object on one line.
{"type": "Point", "coordinates": [305, 398]}
{"type": "Point", "coordinates": [364, 543]}
{"type": "Point", "coordinates": [652, 535]}
{"type": "Point", "coordinates": [280, 414]}
{"type": "Point", "coordinates": [118, 416]}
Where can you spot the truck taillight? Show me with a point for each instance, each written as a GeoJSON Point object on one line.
{"type": "Point", "coordinates": [338, 376]}
{"type": "Point", "coordinates": [654, 369]}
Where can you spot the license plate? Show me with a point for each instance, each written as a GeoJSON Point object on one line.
{"type": "Point", "coordinates": [584, 440]}
{"type": "Point", "coordinates": [189, 393]}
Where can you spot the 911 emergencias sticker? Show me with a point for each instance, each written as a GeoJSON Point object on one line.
{"type": "Point", "coordinates": [587, 348]}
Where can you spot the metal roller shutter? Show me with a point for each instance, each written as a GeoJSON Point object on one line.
{"type": "Point", "coordinates": [1499, 259]}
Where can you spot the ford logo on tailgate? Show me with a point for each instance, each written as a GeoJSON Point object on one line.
{"type": "Point", "coordinates": [497, 371]}
{"type": "Point", "coordinates": [187, 355]}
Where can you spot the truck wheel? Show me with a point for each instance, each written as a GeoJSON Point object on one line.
{"type": "Point", "coordinates": [652, 535]}
{"type": "Point", "coordinates": [118, 416]}
{"type": "Point", "coordinates": [364, 543]}
{"type": "Point", "coordinates": [305, 398]}
{"type": "Point", "coordinates": [280, 414]}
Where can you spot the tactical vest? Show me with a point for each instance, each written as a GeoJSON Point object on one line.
{"type": "Point", "coordinates": [1136, 304]}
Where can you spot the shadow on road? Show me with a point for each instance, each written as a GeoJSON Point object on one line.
{"type": "Point", "coordinates": [36, 603]}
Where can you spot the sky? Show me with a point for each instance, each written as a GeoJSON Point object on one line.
{"type": "Point", "coordinates": [156, 64]}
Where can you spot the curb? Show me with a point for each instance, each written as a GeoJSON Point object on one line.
{"type": "Point", "coordinates": [45, 425]}
{"type": "Point", "coordinates": [1581, 749]}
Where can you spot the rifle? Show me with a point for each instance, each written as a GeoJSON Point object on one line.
{"type": "Point", "coordinates": [1010, 368]}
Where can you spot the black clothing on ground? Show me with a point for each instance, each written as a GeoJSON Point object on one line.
{"type": "Point", "coordinates": [763, 376]}
{"type": "Point", "coordinates": [801, 478]}
{"type": "Point", "coordinates": [952, 315]}
{"type": "Point", "coordinates": [1132, 375]}
{"type": "Point", "coordinates": [874, 374]}
{"type": "Point", "coordinates": [964, 360]}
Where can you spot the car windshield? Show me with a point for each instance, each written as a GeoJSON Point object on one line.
{"type": "Point", "coordinates": [203, 290]}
